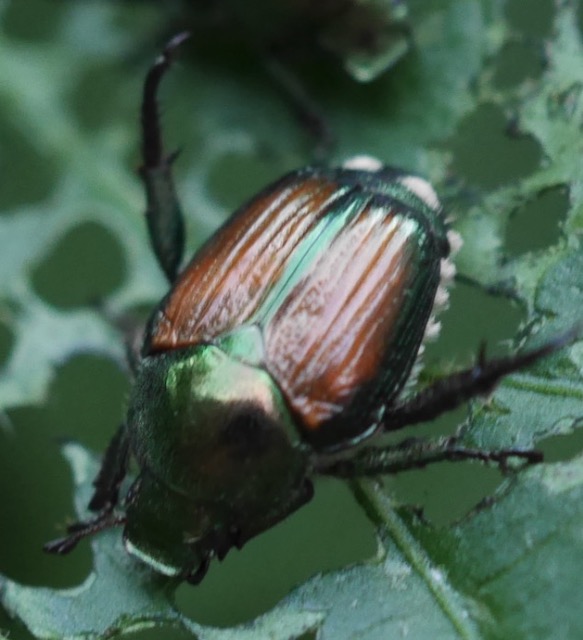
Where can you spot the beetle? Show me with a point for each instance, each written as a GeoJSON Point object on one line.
{"type": "Point", "coordinates": [283, 350]}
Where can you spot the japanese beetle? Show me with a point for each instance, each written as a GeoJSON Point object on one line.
{"type": "Point", "coordinates": [287, 340]}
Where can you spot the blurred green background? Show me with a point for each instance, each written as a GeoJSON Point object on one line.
{"type": "Point", "coordinates": [224, 97]}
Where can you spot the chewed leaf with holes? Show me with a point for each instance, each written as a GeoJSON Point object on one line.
{"type": "Point", "coordinates": [546, 401]}
{"type": "Point", "coordinates": [474, 581]}
{"type": "Point", "coordinates": [120, 595]}
{"type": "Point", "coordinates": [70, 76]}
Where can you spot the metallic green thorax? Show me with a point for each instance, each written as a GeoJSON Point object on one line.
{"type": "Point", "coordinates": [218, 454]}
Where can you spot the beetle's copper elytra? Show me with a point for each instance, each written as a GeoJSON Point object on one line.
{"type": "Point", "coordinates": [333, 272]}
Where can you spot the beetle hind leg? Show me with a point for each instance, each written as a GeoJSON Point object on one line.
{"type": "Point", "coordinates": [452, 391]}
{"type": "Point", "coordinates": [416, 453]}
{"type": "Point", "coordinates": [163, 212]}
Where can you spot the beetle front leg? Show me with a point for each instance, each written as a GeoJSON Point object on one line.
{"type": "Point", "coordinates": [113, 470]}
{"type": "Point", "coordinates": [79, 530]}
{"type": "Point", "coordinates": [114, 467]}
{"type": "Point", "coordinates": [163, 212]}
{"type": "Point", "coordinates": [452, 391]}
{"type": "Point", "coordinates": [416, 454]}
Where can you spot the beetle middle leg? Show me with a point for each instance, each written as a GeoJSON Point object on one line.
{"type": "Point", "coordinates": [416, 453]}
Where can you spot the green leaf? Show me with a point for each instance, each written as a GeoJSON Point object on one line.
{"type": "Point", "coordinates": [70, 85]}
{"type": "Point", "coordinates": [121, 595]}
{"type": "Point", "coordinates": [472, 581]}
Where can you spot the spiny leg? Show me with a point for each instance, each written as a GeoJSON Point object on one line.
{"type": "Point", "coordinates": [452, 391]}
{"type": "Point", "coordinates": [163, 212]}
{"type": "Point", "coordinates": [111, 474]}
{"type": "Point", "coordinates": [415, 454]}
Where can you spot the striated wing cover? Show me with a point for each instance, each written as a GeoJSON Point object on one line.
{"type": "Point", "coordinates": [232, 273]}
{"type": "Point", "coordinates": [338, 269]}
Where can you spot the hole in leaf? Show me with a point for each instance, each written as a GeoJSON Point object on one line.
{"type": "Point", "coordinates": [26, 175]}
{"type": "Point", "coordinates": [561, 448]}
{"type": "Point", "coordinates": [87, 400]}
{"type": "Point", "coordinates": [516, 63]}
{"type": "Point", "coordinates": [537, 225]}
{"type": "Point", "coordinates": [448, 491]}
{"type": "Point", "coordinates": [13, 629]}
{"type": "Point", "coordinates": [533, 18]}
{"type": "Point", "coordinates": [85, 404]}
{"type": "Point", "coordinates": [32, 20]}
{"type": "Point", "coordinates": [474, 316]}
{"type": "Point", "coordinates": [328, 533]}
{"type": "Point", "coordinates": [486, 156]}
{"type": "Point", "coordinates": [36, 498]}
{"type": "Point", "coordinates": [236, 177]}
{"type": "Point", "coordinates": [84, 268]}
